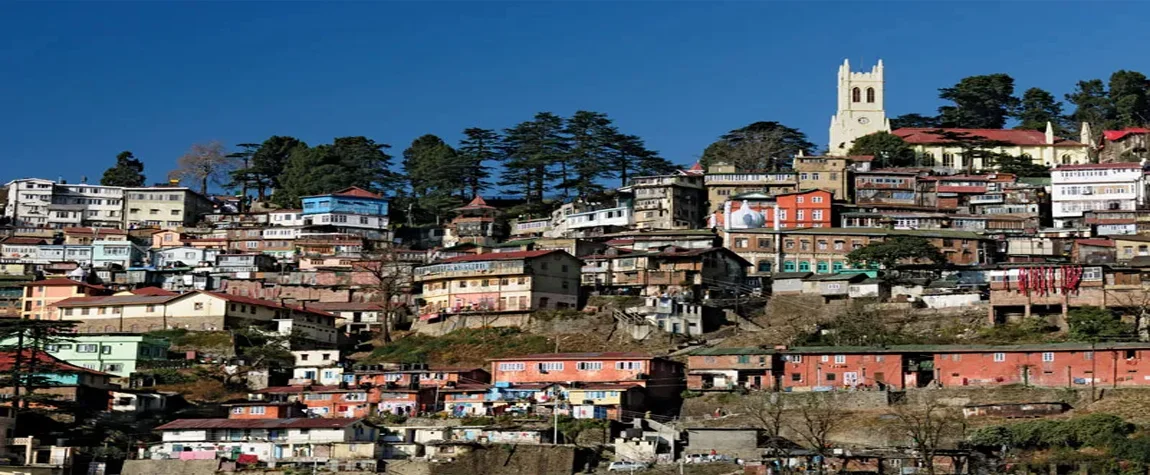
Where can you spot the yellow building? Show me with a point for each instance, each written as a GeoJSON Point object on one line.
{"type": "Point", "coordinates": [824, 173]}
{"type": "Point", "coordinates": [933, 149]}
{"type": "Point", "coordinates": [724, 181]}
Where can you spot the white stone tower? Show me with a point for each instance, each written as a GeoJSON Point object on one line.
{"type": "Point", "coordinates": [860, 107]}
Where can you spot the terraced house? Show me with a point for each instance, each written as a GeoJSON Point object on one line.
{"type": "Point", "coordinates": [520, 281]}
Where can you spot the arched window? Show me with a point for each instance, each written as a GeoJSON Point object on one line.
{"type": "Point", "coordinates": [1066, 159]}
{"type": "Point", "coordinates": [789, 266]}
{"type": "Point", "coordinates": [764, 266]}
{"type": "Point", "coordinates": [804, 266]}
{"type": "Point", "coordinates": [856, 95]}
{"type": "Point", "coordinates": [109, 328]}
{"type": "Point", "coordinates": [822, 268]}
{"type": "Point", "coordinates": [870, 95]}
{"type": "Point", "coordinates": [837, 266]}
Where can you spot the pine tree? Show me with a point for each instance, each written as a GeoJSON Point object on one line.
{"type": "Point", "coordinates": [1039, 107]}
{"type": "Point", "coordinates": [531, 150]}
{"type": "Point", "coordinates": [589, 135]}
{"type": "Point", "coordinates": [478, 149]}
{"type": "Point", "coordinates": [128, 171]}
{"type": "Point", "coordinates": [630, 157]}
{"type": "Point", "coordinates": [435, 174]}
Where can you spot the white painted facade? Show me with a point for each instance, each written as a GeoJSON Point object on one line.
{"type": "Point", "coordinates": [1106, 186]}
{"type": "Point", "coordinates": [347, 220]}
{"type": "Point", "coordinates": [28, 202]}
{"type": "Point", "coordinates": [88, 205]}
{"type": "Point", "coordinates": [860, 107]}
{"type": "Point", "coordinates": [619, 216]}
{"type": "Point", "coordinates": [293, 217]}
{"type": "Point", "coordinates": [281, 232]}
{"type": "Point", "coordinates": [192, 256]}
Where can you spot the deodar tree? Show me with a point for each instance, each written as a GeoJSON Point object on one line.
{"type": "Point", "coordinates": [128, 171]}
{"type": "Point", "coordinates": [889, 150]}
{"type": "Point", "coordinates": [758, 146]}
{"type": "Point", "coordinates": [895, 250]}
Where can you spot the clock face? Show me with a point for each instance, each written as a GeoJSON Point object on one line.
{"type": "Point", "coordinates": [864, 120]}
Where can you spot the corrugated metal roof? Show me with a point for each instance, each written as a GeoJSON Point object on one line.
{"type": "Point", "coordinates": [301, 423]}
{"type": "Point", "coordinates": [733, 351]}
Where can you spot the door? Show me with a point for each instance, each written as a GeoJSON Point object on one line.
{"type": "Point", "coordinates": [278, 452]}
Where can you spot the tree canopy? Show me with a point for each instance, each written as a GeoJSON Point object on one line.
{"type": "Point", "coordinates": [889, 150]}
{"type": "Point", "coordinates": [128, 171]}
{"type": "Point", "coordinates": [914, 121]}
{"type": "Point", "coordinates": [435, 176]}
{"type": "Point", "coordinates": [1039, 107]}
{"type": "Point", "coordinates": [205, 163]}
{"type": "Point", "coordinates": [979, 102]}
{"type": "Point", "coordinates": [1098, 324]}
{"type": "Point", "coordinates": [348, 161]}
{"type": "Point", "coordinates": [895, 250]}
{"type": "Point", "coordinates": [758, 146]}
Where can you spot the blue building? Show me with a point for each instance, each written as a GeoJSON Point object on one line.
{"type": "Point", "coordinates": [352, 207]}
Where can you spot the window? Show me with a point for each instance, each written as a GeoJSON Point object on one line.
{"type": "Point", "coordinates": [947, 159]}
{"type": "Point", "coordinates": [801, 214]}
{"type": "Point", "coordinates": [856, 95]}
{"type": "Point", "coordinates": [511, 366]}
{"type": "Point", "coordinates": [839, 245]}
{"type": "Point", "coordinates": [817, 215]}
{"type": "Point", "coordinates": [799, 199]}
{"type": "Point", "coordinates": [258, 410]}
{"type": "Point", "coordinates": [840, 359]}
{"type": "Point", "coordinates": [999, 357]}
{"type": "Point", "coordinates": [551, 366]}
{"type": "Point", "coordinates": [198, 305]}
{"type": "Point", "coordinates": [589, 365]}
{"type": "Point", "coordinates": [85, 348]}
{"type": "Point", "coordinates": [825, 358]}
{"type": "Point", "coordinates": [237, 410]}
{"type": "Point", "coordinates": [870, 95]}
{"type": "Point", "coordinates": [822, 245]}
{"type": "Point", "coordinates": [789, 244]}
{"type": "Point", "coordinates": [822, 268]}
{"type": "Point", "coordinates": [1048, 357]}
{"type": "Point", "coordinates": [629, 365]}
{"type": "Point", "coordinates": [113, 367]}
{"type": "Point", "coordinates": [740, 243]}
{"type": "Point", "coordinates": [804, 266]}
{"type": "Point", "coordinates": [151, 308]}
{"type": "Point", "coordinates": [830, 376]}
{"type": "Point", "coordinates": [796, 377]}
{"type": "Point", "coordinates": [105, 350]}
{"type": "Point", "coordinates": [764, 243]}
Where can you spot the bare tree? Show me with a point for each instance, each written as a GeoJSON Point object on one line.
{"type": "Point", "coordinates": [818, 418]}
{"type": "Point", "coordinates": [203, 163]}
{"type": "Point", "coordinates": [928, 426]}
{"type": "Point", "coordinates": [767, 409]}
{"type": "Point", "coordinates": [392, 278]}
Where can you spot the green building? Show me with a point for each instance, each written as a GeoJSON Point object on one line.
{"type": "Point", "coordinates": [117, 354]}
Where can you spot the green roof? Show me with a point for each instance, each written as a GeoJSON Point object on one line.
{"type": "Point", "coordinates": [731, 351]}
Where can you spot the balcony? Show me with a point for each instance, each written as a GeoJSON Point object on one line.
{"type": "Point", "coordinates": [678, 277]}
{"type": "Point", "coordinates": [986, 199]}
{"type": "Point", "coordinates": [469, 269]}
{"type": "Point", "coordinates": [750, 179]}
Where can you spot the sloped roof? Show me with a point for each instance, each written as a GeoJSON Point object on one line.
{"type": "Point", "coordinates": [96, 231]}
{"type": "Point", "coordinates": [477, 203]}
{"type": "Point", "coordinates": [264, 303]}
{"type": "Point", "coordinates": [44, 363]}
{"type": "Point", "coordinates": [930, 135]}
{"type": "Point", "coordinates": [154, 291]}
{"type": "Point", "coordinates": [115, 300]}
{"type": "Point", "coordinates": [357, 192]}
{"type": "Point", "coordinates": [1113, 135]}
{"type": "Point", "coordinates": [22, 240]}
{"type": "Point", "coordinates": [299, 423]}
{"type": "Point", "coordinates": [606, 355]}
{"type": "Point", "coordinates": [500, 256]}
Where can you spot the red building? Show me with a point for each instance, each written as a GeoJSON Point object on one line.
{"type": "Point", "coordinates": [799, 209]}
{"type": "Point", "coordinates": [829, 368]}
{"type": "Point", "coordinates": [661, 379]}
{"type": "Point", "coordinates": [417, 376]}
{"type": "Point", "coordinates": [264, 410]}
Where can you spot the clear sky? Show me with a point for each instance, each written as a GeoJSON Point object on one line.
{"type": "Point", "coordinates": [80, 82]}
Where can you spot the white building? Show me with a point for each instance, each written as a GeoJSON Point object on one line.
{"type": "Point", "coordinates": [322, 443]}
{"type": "Point", "coordinates": [28, 202]}
{"type": "Point", "coordinates": [316, 367]}
{"type": "Point", "coordinates": [87, 205]}
{"type": "Point", "coordinates": [1094, 187]}
{"type": "Point", "coordinates": [860, 107]}
{"type": "Point", "coordinates": [188, 256]}
{"type": "Point", "coordinates": [286, 217]}
{"type": "Point", "coordinates": [618, 216]}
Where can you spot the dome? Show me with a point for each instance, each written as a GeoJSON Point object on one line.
{"type": "Point", "coordinates": [746, 218]}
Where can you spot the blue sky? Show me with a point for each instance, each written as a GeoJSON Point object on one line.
{"type": "Point", "coordinates": [82, 81]}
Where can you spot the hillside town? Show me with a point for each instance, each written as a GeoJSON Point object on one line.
{"type": "Point", "coordinates": [753, 312]}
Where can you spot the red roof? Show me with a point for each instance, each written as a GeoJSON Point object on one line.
{"type": "Point", "coordinates": [44, 361]}
{"type": "Point", "coordinates": [1096, 242]}
{"type": "Point", "coordinates": [607, 355]}
{"type": "Point", "coordinates": [22, 240]}
{"type": "Point", "coordinates": [153, 291]}
{"type": "Point", "coordinates": [861, 158]}
{"type": "Point", "coordinates": [922, 136]}
{"type": "Point", "coordinates": [1097, 166]}
{"type": "Point", "coordinates": [301, 423]}
{"type": "Point", "coordinates": [357, 192]}
{"type": "Point", "coordinates": [1113, 135]}
{"type": "Point", "coordinates": [696, 169]}
{"type": "Point", "coordinates": [96, 231]}
{"type": "Point", "coordinates": [477, 203]}
{"type": "Point", "coordinates": [60, 281]}
{"type": "Point", "coordinates": [500, 256]}
{"type": "Point", "coordinates": [264, 303]}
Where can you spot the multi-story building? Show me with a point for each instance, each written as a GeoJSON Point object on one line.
{"type": "Point", "coordinates": [800, 209]}
{"type": "Point", "coordinates": [87, 205]}
{"type": "Point", "coordinates": [351, 208]}
{"type": "Point", "coordinates": [316, 367]}
{"type": "Point", "coordinates": [328, 444]}
{"type": "Point", "coordinates": [477, 223]}
{"type": "Point", "coordinates": [725, 181]}
{"type": "Point", "coordinates": [860, 107]}
{"type": "Point", "coordinates": [825, 173]}
{"type": "Point", "coordinates": [285, 217]}
{"type": "Point", "coordinates": [41, 296]}
{"type": "Point", "coordinates": [725, 369]}
{"type": "Point", "coordinates": [824, 250]}
{"type": "Point", "coordinates": [164, 207]}
{"type": "Point", "coordinates": [28, 202]}
{"type": "Point", "coordinates": [892, 187]}
{"type": "Point", "coordinates": [184, 257]}
{"type": "Point", "coordinates": [416, 375]}
{"type": "Point", "coordinates": [1093, 187]}
{"type": "Point", "coordinates": [949, 148]}
{"type": "Point", "coordinates": [688, 273]}
{"type": "Point", "coordinates": [1127, 145]}
{"type": "Point", "coordinates": [117, 354]}
{"type": "Point", "coordinates": [521, 281]}
{"type": "Point", "coordinates": [199, 310]}
{"type": "Point", "coordinates": [117, 253]}
{"type": "Point", "coordinates": [668, 201]}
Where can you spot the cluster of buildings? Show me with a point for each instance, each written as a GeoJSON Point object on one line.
{"type": "Point", "coordinates": [122, 263]}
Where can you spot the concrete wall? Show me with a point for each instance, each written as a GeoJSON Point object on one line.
{"type": "Point", "coordinates": [170, 467]}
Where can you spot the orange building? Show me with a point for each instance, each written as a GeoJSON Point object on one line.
{"type": "Point", "coordinates": [800, 209]}
{"type": "Point", "coordinates": [39, 296]}
{"type": "Point", "coordinates": [420, 376]}
{"type": "Point", "coordinates": [264, 410]}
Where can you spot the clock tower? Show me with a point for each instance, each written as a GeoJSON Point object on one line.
{"type": "Point", "coordinates": [860, 107]}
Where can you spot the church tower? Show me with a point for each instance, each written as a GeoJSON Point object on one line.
{"type": "Point", "coordinates": [860, 107]}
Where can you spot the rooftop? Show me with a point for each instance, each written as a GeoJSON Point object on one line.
{"type": "Point", "coordinates": [922, 136]}
{"type": "Point", "coordinates": [609, 355]}
{"type": "Point", "coordinates": [1099, 166]}
{"type": "Point", "coordinates": [303, 423]}
{"type": "Point", "coordinates": [499, 256]}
